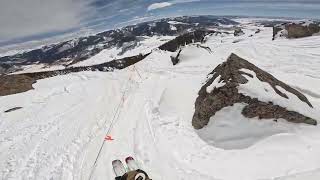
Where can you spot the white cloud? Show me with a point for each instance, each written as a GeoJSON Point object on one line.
{"type": "Point", "coordinates": [169, 3]}
{"type": "Point", "coordinates": [183, 1]}
{"type": "Point", "coordinates": [22, 18]}
{"type": "Point", "coordinates": [159, 5]}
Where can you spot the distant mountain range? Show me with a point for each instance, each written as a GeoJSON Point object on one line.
{"type": "Point", "coordinates": [79, 49]}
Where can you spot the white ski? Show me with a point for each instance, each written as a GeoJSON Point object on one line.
{"type": "Point", "coordinates": [118, 168]}
{"type": "Point", "coordinates": [131, 163]}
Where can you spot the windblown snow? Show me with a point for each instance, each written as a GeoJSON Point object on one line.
{"type": "Point", "coordinates": [148, 109]}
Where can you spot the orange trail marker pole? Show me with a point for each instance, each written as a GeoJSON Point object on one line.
{"type": "Point", "coordinates": [108, 138]}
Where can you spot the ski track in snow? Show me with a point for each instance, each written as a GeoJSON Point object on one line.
{"type": "Point", "coordinates": [59, 130]}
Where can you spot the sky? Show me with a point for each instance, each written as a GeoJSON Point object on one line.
{"type": "Point", "coordinates": [34, 21]}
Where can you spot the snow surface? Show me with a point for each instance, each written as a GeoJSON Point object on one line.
{"type": "Point", "coordinates": [145, 46]}
{"type": "Point", "coordinates": [58, 132]}
{"type": "Point", "coordinates": [215, 84]}
{"type": "Point", "coordinates": [175, 22]}
{"type": "Point", "coordinates": [242, 132]}
{"type": "Point", "coordinates": [38, 68]}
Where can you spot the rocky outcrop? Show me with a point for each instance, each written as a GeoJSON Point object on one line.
{"type": "Point", "coordinates": [175, 59]}
{"type": "Point", "coordinates": [276, 30]}
{"type": "Point", "coordinates": [227, 78]}
{"type": "Point", "coordinates": [238, 32]}
{"type": "Point", "coordinates": [296, 30]}
{"type": "Point", "coordinates": [301, 30]}
{"type": "Point", "coordinates": [187, 38]}
{"type": "Point", "coordinates": [17, 83]}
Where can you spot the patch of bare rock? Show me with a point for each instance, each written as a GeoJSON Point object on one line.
{"type": "Point", "coordinates": [230, 75]}
{"type": "Point", "coordinates": [296, 30]}
{"type": "Point", "coordinates": [17, 83]}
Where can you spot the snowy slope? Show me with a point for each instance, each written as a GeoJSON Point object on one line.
{"type": "Point", "coordinates": [144, 46]}
{"type": "Point", "coordinates": [58, 132]}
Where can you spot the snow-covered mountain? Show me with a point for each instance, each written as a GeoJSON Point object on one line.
{"type": "Point", "coordinates": [121, 40]}
{"type": "Point", "coordinates": [53, 123]}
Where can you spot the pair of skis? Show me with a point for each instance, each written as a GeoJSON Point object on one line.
{"type": "Point", "coordinates": [119, 168]}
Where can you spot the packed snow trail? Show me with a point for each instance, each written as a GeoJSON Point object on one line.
{"type": "Point", "coordinates": [113, 121]}
{"type": "Point", "coordinates": [58, 132]}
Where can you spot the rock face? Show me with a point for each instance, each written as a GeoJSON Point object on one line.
{"type": "Point", "coordinates": [299, 30]}
{"type": "Point", "coordinates": [222, 90]}
{"type": "Point", "coordinates": [296, 30]}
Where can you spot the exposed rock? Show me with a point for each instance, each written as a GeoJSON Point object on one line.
{"type": "Point", "coordinates": [12, 109]}
{"type": "Point", "coordinates": [276, 30]}
{"type": "Point", "coordinates": [187, 38]}
{"type": "Point", "coordinates": [204, 47]}
{"type": "Point", "coordinates": [238, 40]}
{"type": "Point", "coordinates": [175, 59]}
{"type": "Point", "coordinates": [300, 30]}
{"type": "Point", "coordinates": [296, 30]}
{"type": "Point", "coordinates": [238, 32]}
{"type": "Point", "coordinates": [230, 75]}
{"type": "Point", "coordinates": [17, 83]}
{"type": "Point", "coordinates": [257, 31]}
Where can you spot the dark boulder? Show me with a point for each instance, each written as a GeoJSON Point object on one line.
{"type": "Point", "coordinates": [238, 32]}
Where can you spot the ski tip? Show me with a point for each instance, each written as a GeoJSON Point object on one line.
{"type": "Point", "coordinates": [116, 161]}
{"type": "Point", "coordinates": [129, 158]}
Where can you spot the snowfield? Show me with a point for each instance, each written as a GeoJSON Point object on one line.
{"type": "Point", "coordinates": [147, 109]}
{"type": "Point", "coordinates": [144, 46]}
